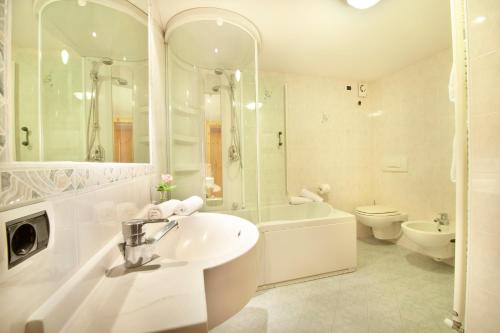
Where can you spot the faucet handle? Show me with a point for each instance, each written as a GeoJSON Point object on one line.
{"type": "Point", "coordinates": [132, 230]}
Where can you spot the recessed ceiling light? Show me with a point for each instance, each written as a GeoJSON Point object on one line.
{"type": "Point", "coordinates": [479, 19]}
{"type": "Point", "coordinates": [219, 22]}
{"type": "Point", "coordinates": [94, 34]}
{"type": "Point", "coordinates": [362, 4]}
{"type": "Point", "coordinates": [216, 50]}
{"type": "Point", "coordinates": [82, 3]}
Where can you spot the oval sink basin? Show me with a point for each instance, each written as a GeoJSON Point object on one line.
{"type": "Point", "coordinates": [434, 239]}
{"type": "Point", "coordinates": [208, 237]}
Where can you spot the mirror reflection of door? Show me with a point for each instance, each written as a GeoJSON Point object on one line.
{"type": "Point", "coordinates": [213, 159]}
{"type": "Point", "coordinates": [123, 142]}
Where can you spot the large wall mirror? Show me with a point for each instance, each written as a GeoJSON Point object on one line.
{"type": "Point", "coordinates": [79, 78]}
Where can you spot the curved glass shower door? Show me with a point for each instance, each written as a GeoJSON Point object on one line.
{"type": "Point", "coordinates": [212, 115]}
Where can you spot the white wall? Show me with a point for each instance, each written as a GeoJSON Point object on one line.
{"type": "Point", "coordinates": [328, 140]}
{"type": "Point", "coordinates": [331, 139]}
{"type": "Point", "coordinates": [413, 118]}
{"type": "Point", "coordinates": [483, 289]}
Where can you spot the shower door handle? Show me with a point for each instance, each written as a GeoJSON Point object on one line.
{"type": "Point", "coordinates": [280, 139]}
{"type": "Point", "coordinates": [26, 142]}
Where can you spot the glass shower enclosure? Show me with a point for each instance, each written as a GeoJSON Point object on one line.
{"type": "Point", "coordinates": [212, 103]}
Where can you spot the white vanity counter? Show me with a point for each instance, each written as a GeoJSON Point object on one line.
{"type": "Point", "coordinates": [206, 271]}
{"type": "Point", "coordinates": [159, 300]}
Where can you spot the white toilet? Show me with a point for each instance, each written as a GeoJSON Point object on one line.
{"type": "Point", "coordinates": [385, 221]}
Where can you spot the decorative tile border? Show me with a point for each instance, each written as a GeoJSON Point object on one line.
{"type": "Point", "coordinates": [4, 121]}
{"type": "Point", "coordinates": [20, 185]}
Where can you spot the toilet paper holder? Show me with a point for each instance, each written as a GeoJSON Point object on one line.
{"type": "Point", "coordinates": [324, 189]}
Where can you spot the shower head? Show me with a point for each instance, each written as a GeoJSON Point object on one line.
{"type": "Point", "coordinates": [107, 61]}
{"type": "Point", "coordinates": [217, 88]}
{"type": "Point", "coordinates": [219, 71]}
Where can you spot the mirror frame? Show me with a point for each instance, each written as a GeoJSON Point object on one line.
{"type": "Point", "coordinates": [97, 173]}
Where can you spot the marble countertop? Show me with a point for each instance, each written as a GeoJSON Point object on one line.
{"type": "Point", "coordinates": [157, 297]}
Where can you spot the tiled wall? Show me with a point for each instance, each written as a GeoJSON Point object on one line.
{"type": "Point", "coordinates": [413, 118]}
{"type": "Point", "coordinates": [83, 224]}
{"type": "Point", "coordinates": [328, 139]}
{"type": "Point", "coordinates": [483, 289]}
{"type": "Point", "coordinates": [331, 139]}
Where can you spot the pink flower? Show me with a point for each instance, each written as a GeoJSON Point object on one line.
{"type": "Point", "coordinates": [167, 178]}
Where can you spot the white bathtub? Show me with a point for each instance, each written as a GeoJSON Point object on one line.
{"type": "Point", "coordinates": [301, 241]}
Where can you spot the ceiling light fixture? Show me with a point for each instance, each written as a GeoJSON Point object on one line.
{"type": "Point", "coordinates": [362, 4]}
{"type": "Point", "coordinates": [220, 22]}
{"type": "Point", "coordinates": [216, 50]}
{"type": "Point", "coordinates": [94, 34]}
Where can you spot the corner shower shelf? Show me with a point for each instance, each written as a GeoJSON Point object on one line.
{"type": "Point", "coordinates": [186, 110]}
{"type": "Point", "coordinates": [185, 139]}
{"type": "Point", "coordinates": [186, 168]}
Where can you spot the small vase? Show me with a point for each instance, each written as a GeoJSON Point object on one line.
{"type": "Point", "coordinates": [163, 196]}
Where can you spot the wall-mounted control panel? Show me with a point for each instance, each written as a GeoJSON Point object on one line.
{"type": "Point", "coordinates": [26, 236]}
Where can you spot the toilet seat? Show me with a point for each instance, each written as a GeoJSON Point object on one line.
{"type": "Point", "coordinates": [385, 221]}
{"type": "Point", "coordinates": [377, 210]}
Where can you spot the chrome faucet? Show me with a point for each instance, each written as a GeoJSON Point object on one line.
{"type": "Point", "coordinates": [136, 249]}
{"type": "Point", "coordinates": [442, 219]}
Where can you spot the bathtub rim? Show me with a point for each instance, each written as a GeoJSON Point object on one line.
{"type": "Point", "coordinates": [335, 216]}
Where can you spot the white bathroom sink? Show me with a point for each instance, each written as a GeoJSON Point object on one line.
{"type": "Point", "coordinates": [203, 272]}
{"type": "Point", "coordinates": [225, 248]}
{"type": "Point", "coordinates": [208, 237]}
{"type": "Point", "coordinates": [434, 239]}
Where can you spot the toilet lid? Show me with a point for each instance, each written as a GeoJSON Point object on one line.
{"type": "Point", "coordinates": [377, 210]}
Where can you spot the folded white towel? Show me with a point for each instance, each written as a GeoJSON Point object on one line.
{"type": "Point", "coordinates": [299, 200]}
{"type": "Point", "coordinates": [189, 206]}
{"type": "Point", "coordinates": [163, 210]}
{"type": "Point", "coordinates": [311, 195]}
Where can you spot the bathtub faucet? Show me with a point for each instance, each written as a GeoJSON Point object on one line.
{"type": "Point", "coordinates": [442, 219]}
{"type": "Point", "coordinates": [136, 249]}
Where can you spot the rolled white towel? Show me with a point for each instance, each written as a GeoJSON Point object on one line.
{"type": "Point", "coordinates": [189, 206]}
{"type": "Point", "coordinates": [163, 210]}
{"type": "Point", "coordinates": [311, 195]}
{"type": "Point", "coordinates": [299, 200]}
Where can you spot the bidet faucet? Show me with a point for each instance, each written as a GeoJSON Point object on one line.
{"type": "Point", "coordinates": [136, 249]}
{"type": "Point", "coordinates": [442, 219]}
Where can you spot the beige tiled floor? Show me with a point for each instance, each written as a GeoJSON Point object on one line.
{"type": "Point", "coordinates": [393, 291]}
